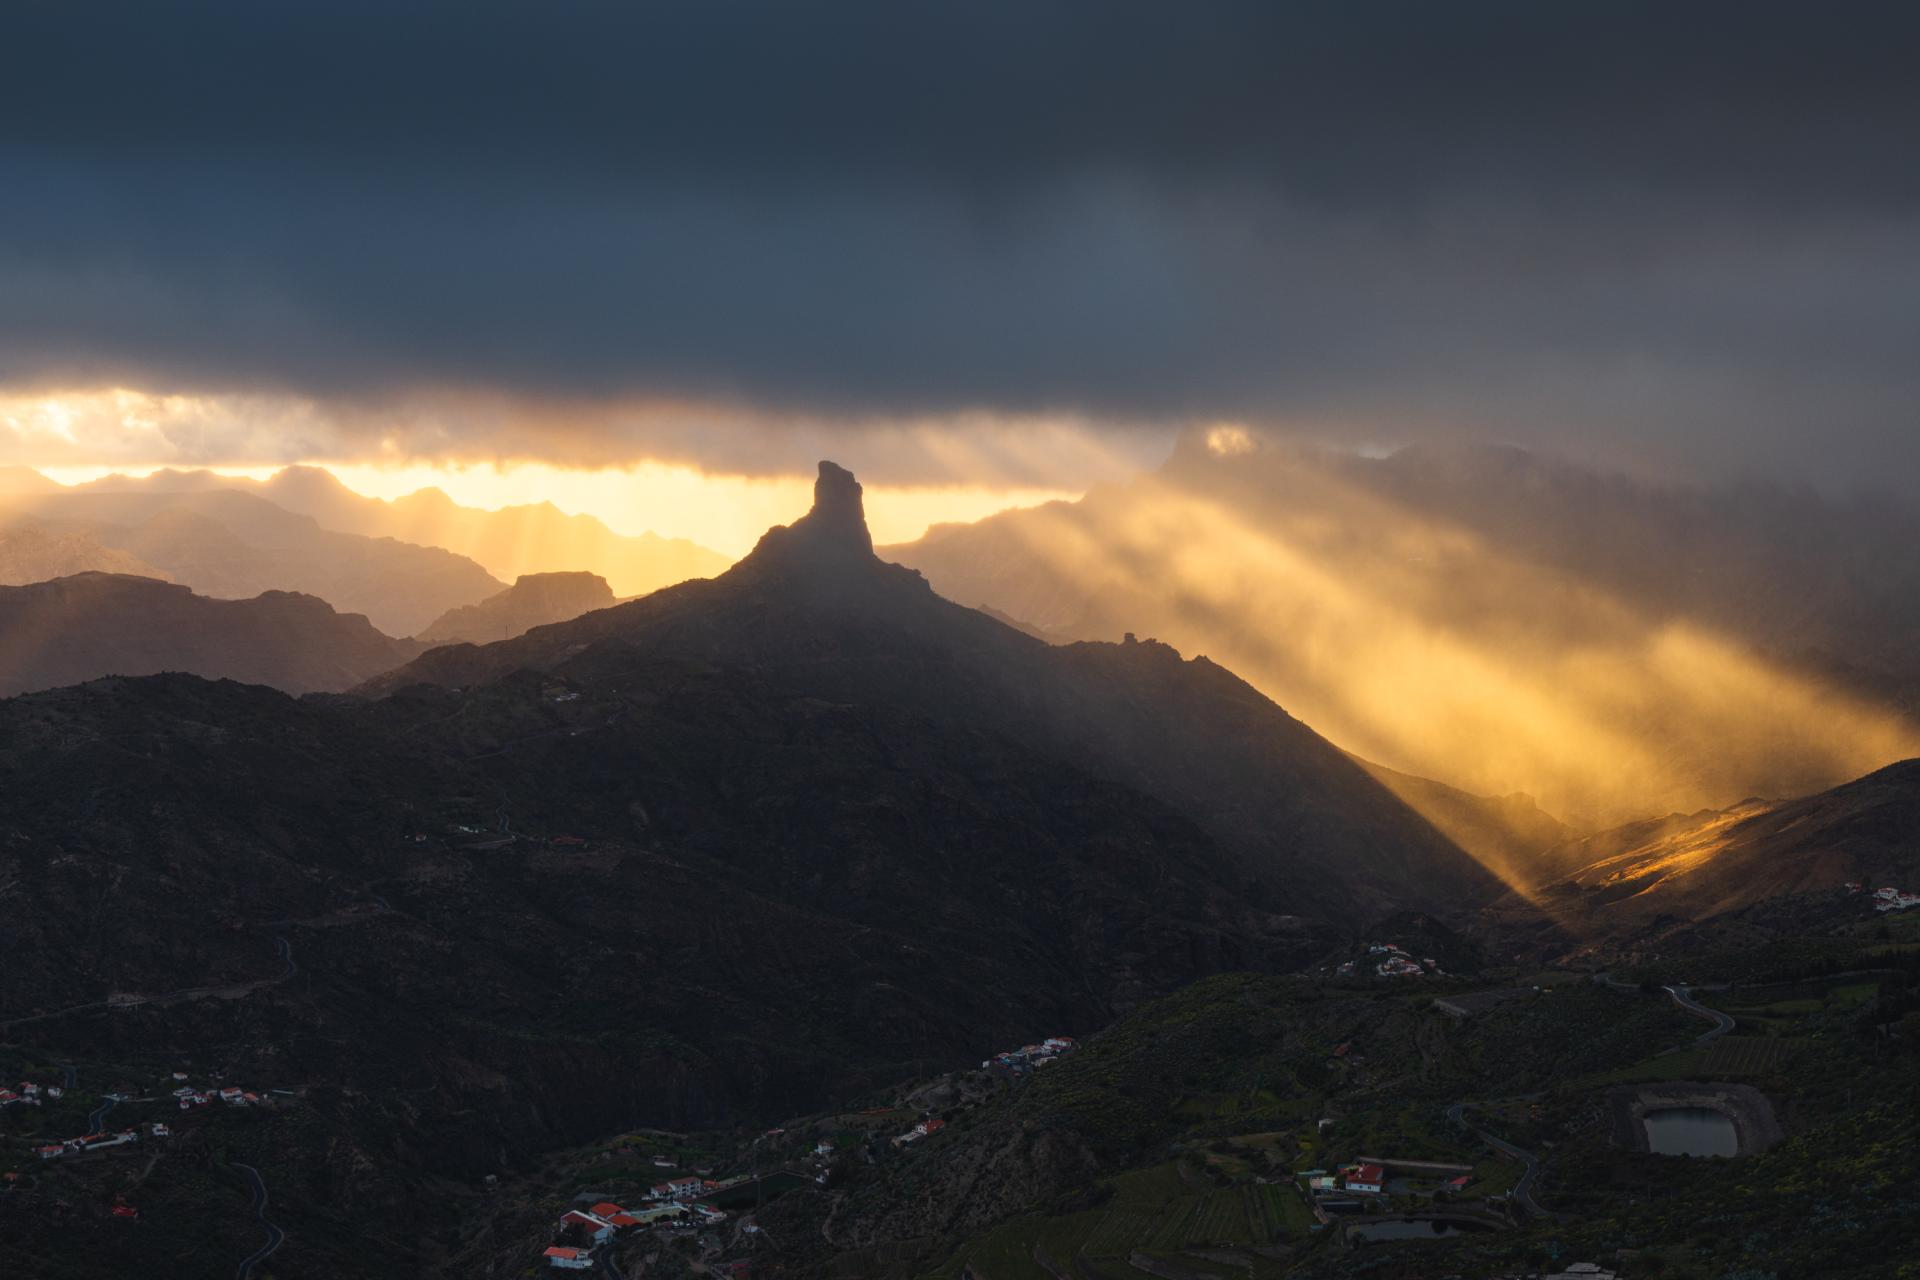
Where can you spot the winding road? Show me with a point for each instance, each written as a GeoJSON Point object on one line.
{"type": "Point", "coordinates": [1722, 1023]}
{"type": "Point", "coordinates": [99, 1115]}
{"type": "Point", "coordinates": [1530, 1173]}
{"type": "Point", "coordinates": [275, 1236]}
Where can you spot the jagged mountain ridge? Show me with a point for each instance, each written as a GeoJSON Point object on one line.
{"type": "Point", "coordinates": [814, 607]}
{"type": "Point", "coordinates": [78, 628]}
{"type": "Point", "coordinates": [534, 600]}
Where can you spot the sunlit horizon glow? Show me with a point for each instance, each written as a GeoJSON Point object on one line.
{"type": "Point", "coordinates": [725, 513]}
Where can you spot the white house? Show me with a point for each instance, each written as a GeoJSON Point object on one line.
{"type": "Point", "coordinates": [569, 1258]}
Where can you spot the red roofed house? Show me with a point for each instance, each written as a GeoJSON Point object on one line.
{"type": "Point", "coordinates": [596, 1227]}
{"type": "Point", "coordinates": [607, 1208]}
{"type": "Point", "coordinates": [125, 1211]}
{"type": "Point", "coordinates": [560, 1255]}
{"type": "Point", "coordinates": [1367, 1179]}
{"type": "Point", "coordinates": [622, 1221]}
{"type": "Point", "coordinates": [1459, 1183]}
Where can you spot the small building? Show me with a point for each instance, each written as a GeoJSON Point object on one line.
{"type": "Point", "coordinates": [125, 1211]}
{"type": "Point", "coordinates": [568, 1257]}
{"type": "Point", "coordinates": [1366, 1179]}
{"type": "Point", "coordinates": [607, 1208]}
{"type": "Point", "coordinates": [595, 1227]}
{"type": "Point", "coordinates": [52, 1151]}
{"type": "Point", "coordinates": [159, 1130]}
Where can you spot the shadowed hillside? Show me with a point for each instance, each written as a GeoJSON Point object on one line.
{"type": "Point", "coordinates": [79, 628]}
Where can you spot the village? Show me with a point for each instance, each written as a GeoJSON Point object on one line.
{"type": "Point", "coordinates": [1887, 898]}
{"type": "Point", "coordinates": [690, 1211]}
{"type": "Point", "coordinates": [101, 1140]}
{"type": "Point", "coordinates": [1390, 960]}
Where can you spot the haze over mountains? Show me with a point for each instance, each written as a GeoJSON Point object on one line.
{"type": "Point", "coordinates": [1494, 619]}
{"type": "Point", "coordinates": [235, 545]}
{"type": "Point", "coordinates": [510, 542]}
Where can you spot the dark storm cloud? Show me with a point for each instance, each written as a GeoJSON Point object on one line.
{"type": "Point", "coordinates": [1682, 228]}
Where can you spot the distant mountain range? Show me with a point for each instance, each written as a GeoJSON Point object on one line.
{"type": "Point", "coordinates": [511, 542]}
{"type": "Point", "coordinates": [77, 628]}
{"type": "Point", "coordinates": [236, 545]}
{"type": "Point", "coordinates": [1492, 618]}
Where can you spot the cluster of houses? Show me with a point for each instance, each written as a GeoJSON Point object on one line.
{"type": "Point", "coordinates": [29, 1094]}
{"type": "Point", "coordinates": [1888, 898]}
{"type": "Point", "coordinates": [1391, 960]}
{"type": "Point", "coordinates": [1029, 1057]}
{"type": "Point", "coordinates": [666, 1202]}
{"type": "Point", "coordinates": [98, 1142]}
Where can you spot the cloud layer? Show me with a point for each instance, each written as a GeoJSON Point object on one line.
{"type": "Point", "coordinates": [1685, 234]}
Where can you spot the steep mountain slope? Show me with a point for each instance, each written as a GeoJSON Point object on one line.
{"type": "Point", "coordinates": [813, 610]}
{"type": "Point", "coordinates": [1493, 619]}
{"type": "Point", "coordinates": [728, 853]}
{"type": "Point", "coordinates": [1696, 866]}
{"type": "Point", "coordinates": [534, 600]}
{"type": "Point", "coordinates": [235, 545]}
{"type": "Point", "coordinates": [32, 554]}
{"type": "Point", "coordinates": [78, 628]}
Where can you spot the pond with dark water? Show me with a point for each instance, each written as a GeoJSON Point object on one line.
{"type": "Point", "coordinates": [1690, 1131]}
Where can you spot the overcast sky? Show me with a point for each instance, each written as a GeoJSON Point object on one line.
{"type": "Point", "coordinates": [1676, 234]}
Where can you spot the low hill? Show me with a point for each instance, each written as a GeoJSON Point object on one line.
{"type": "Point", "coordinates": [78, 628]}
{"type": "Point", "coordinates": [534, 600]}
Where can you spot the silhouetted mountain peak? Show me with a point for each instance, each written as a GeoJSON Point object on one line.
{"type": "Point", "coordinates": [833, 532]}
{"type": "Point", "coordinates": [839, 515]}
